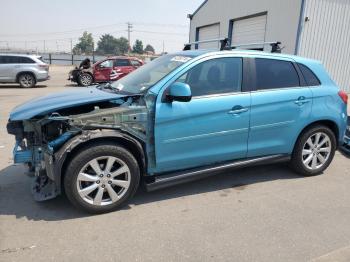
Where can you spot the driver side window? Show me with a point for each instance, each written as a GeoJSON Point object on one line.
{"type": "Point", "coordinates": [106, 64]}
{"type": "Point", "coordinates": [216, 76]}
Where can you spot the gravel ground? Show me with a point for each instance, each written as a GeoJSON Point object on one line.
{"type": "Point", "coordinates": [262, 213]}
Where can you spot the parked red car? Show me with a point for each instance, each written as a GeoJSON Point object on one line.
{"type": "Point", "coordinates": [110, 69]}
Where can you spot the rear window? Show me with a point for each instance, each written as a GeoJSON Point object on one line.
{"type": "Point", "coordinates": [122, 62]}
{"type": "Point", "coordinates": [310, 78]}
{"type": "Point", "coordinates": [274, 74]}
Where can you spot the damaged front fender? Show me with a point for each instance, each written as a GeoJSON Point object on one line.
{"type": "Point", "coordinates": [56, 163]}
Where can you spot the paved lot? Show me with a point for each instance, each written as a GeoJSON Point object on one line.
{"type": "Point", "coordinates": [254, 214]}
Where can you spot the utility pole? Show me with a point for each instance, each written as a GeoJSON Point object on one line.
{"type": "Point", "coordinates": [129, 31]}
{"type": "Point", "coordinates": [44, 47]}
{"type": "Point", "coordinates": [163, 47]}
{"type": "Point", "coordinates": [71, 46]}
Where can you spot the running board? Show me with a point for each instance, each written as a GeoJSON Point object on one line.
{"type": "Point", "coordinates": [180, 177]}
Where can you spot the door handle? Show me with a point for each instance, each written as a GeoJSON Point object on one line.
{"type": "Point", "coordinates": [301, 101]}
{"type": "Point", "coordinates": [238, 110]}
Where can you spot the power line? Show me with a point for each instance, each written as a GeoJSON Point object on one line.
{"type": "Point", "coordinates": [91, 28]}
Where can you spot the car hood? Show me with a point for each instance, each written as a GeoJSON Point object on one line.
{"type": "Point", "coordinates": [50, 103]}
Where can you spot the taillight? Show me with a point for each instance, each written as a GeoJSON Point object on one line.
{"type": "Point", "coordinates": [343, 96]}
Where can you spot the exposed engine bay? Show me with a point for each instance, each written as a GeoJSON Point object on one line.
{"type": "Point", "coordinates": [44, 141]}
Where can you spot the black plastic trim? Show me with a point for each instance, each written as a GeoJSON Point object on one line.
{"type": "Point", "coordinates": [176, 178]}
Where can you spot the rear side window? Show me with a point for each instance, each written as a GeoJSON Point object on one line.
{"type": "Point", "coordinates": [135, 63]}
{"type": "Point", "coordinates": [310, 78]}
{"type": "Point", "coordinates": [26, 60]}
{"type": "Point", "coordinates": [274, 74]}
{"type": "Point", "coordinates": [122, 62]}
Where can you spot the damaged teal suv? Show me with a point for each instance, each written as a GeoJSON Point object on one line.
{"type": "Point", "coordinates": [181, 117]}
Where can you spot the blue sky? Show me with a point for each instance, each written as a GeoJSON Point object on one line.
{"type": "Point", "coordinates": [27, 23]}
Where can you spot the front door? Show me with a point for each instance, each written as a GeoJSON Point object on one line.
{"type": "Point", "coordinates": [213, 126]}
{"type": "Point", "coordinates": [103, 70]}
{"type": "Point", "coordinates": [281, 106]}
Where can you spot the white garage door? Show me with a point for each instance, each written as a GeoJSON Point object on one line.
{"type": "Point", "coordinates": [250, 30]}
{"type": "Point", "coordinates": [207, 33]}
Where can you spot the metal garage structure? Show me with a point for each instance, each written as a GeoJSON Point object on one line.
{"type": "Point", "coordinates": [317, 29]}
{"type": "Point", "coordinates": [208, 32]}
{"type": "Point", "coordinates": [249, 30]}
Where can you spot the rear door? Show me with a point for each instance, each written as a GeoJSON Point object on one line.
{"type": "Point", "coordinates": [103, 70]}
{"type": "Point", "coordinates": [281, 106]}
{"type": "Point", "coordinates": [123, 66]}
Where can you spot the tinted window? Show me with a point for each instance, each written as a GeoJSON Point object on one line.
{"type": "Point", "coordinates": [310, 78]}
{"type": "Point", "coordinates": [272, 74]}
{"type": "Point", "coordinates": [106, 64]}
{"type": "Point", "coordinates": [10, 60]}
{"type": "Point", "coordinates": [26, 60]}
{"type": "Point", "coordinates": [135, 63]}
{"type": "Point", "coordinates": [217, 76]}
{"type": "Point", "coordinates": [122, 62]}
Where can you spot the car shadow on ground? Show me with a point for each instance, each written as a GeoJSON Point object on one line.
{"type": "Point", "coordinates": [16, 198]}
{"type": "Point", "coordinates": [13, 86]}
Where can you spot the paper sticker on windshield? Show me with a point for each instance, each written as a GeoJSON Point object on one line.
{"type": "Point", "coordinates": [181, 59]}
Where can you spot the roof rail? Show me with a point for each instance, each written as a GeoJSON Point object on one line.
{"type": "Point", "coordinates": [276, 48]}
{"type": "Point", "coordinates": [225, 44]}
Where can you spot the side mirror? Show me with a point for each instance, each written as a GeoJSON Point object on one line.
{"type": "Point", "coordinates": [180, 92]}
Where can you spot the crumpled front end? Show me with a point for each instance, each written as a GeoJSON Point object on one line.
{"type": "Point", "coordinates": [43, 142]}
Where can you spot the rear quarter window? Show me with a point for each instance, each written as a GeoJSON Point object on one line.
{"type": "Point", "coordinates": [275, 74]}
{"type": "Point", "coordinates": [310, 77]}
{"type": "Point", "coordinates": [122, 62]}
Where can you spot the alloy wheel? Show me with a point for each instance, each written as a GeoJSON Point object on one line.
{"type": "Point", "coordinates": [316, 150]}
{"type": "Point", "coordinates": [103, 181]}
{"type": "Point", "coordinates": [26, 80]}
{"type": "Point", "coordinates": [85, 79]}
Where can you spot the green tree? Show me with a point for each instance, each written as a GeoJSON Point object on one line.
{"type": "Point", "coordinates": [138, 47]}
{"type": "Point", "coordinates": [85, 45]}
{"type": "Point", "coordinates": [108, 45]}
{"type": "Point", "coordinates": [149, 48]}
{"type": "Point", "coordinates": [123, 46]}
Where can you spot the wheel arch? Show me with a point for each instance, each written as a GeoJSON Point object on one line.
{"type": "Point", "coordinates": [326, 122]}
{"type": "Point", "coordinates": [25, 72]}
{"type": "Point", "coordinates": [78, 143]}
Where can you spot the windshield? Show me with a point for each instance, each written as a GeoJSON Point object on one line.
{"type": "Point", "coordinates": [146, 76]}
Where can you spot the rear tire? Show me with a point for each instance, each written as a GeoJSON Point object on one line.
{"type": "Point", "coordinates": [26, 80]}
{"type": "Point", "coordinates": [101, 178]}
{"type": "Point", "coordinates": [84, 79]}
{"type": "Point", "coordinates": [313, 151]}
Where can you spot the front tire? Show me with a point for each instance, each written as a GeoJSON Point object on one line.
{"type": "Point", "coordinates": [101, 178]}
{"type": "Point", "coordinates": [313, 151]}
{"type": "Point", "coordinates": [84, 79]}
{"type": "Point", "coordinates": [26, 80]}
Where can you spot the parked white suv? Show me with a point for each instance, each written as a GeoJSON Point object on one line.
{"type": "Point", "coordinates": [26, 70]}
